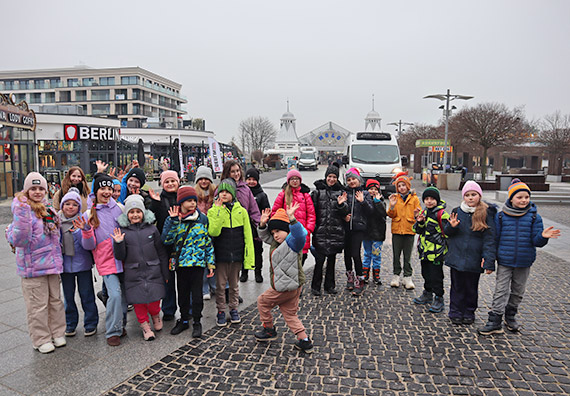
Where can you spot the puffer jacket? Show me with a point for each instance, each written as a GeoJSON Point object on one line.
{"type": "Point", "coordinates": [359, 211]}
{"type": "Point", "coordinates": [468, 247]}
{"type": "Point", "coordinates": [195, 248]}
{"type": "Point", "coordinates": [402, 214]}
{"type": "Point", "coordinates": [144, 258]}
{"type": "Point", "coordinates": [376, 224]}
{"type": "Point", "coordinates": [82, 260]}
{"type": "Point", "coordinates": [432, 243]}
{"type": "Point", "coordinates": [328, 237]}
{"type": "Point", "coordinates": [286, 262]}
{"type": "Point", "coordinates": [306, 212]}
{"type": "Point", "coordinates": [518, 237]}
{"type": "Point", "coordinates": [99, 240]}
{"type": "Point", "coordinates": [247, 201]}
{"type": "Point", "coordinates": [160, 208]}
{"type": "Point", "coordinates": [230, 228]}
{"type": "Point", "coordinates": [37, 254]}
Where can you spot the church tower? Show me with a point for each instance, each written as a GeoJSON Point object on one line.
{"type": "Point", "coordinates": [287, 137]}
{"type": "Point", "coordinates": [372, 122]}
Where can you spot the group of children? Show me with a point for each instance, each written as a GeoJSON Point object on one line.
{"type": "Point", "coordinates": [205, 236]}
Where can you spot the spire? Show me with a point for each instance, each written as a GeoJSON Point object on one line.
{"type": "Point", "coordinates": [372, 102]}
{"type": "Point", "coordinates": [287, 105]}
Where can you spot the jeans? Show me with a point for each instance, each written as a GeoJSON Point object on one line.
{"type": "Point", "coordinates": [116, 317]}
{"type": "Point", "coordinates": [209, 284]}
{"type": "Point", "coordinates": [169, 300]}
{"type": "Point", "coordinates": [372, 254]}
{"type": "Point", "coordinates": [87, 295]}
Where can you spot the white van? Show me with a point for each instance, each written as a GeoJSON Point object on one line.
{"type": "Point", "coordinates": [308, 158]}
{"type": "Point", "coordinates": [376, 155]}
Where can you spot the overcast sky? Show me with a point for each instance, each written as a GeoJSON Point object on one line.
{"type": "Point", "coordinates": [237, 59]}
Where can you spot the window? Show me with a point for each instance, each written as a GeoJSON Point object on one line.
{"type": "Point", "coordinates": [36, 98]}
{"type": "Point", "coordinates": [120, 94]}
{"type": "Point", "coordinates": [100, 94]}
{"type": "Point", "coordinates": [20, 97]}
{"type": "Point", "coordinates": [54, 82]}
{"type": "Point", "coordinates": [72, 82]}
{"type": "Point", "coordinates": [121, 109]}
{"type": "Point", "coordinates": [50, 97]}
{"type": "Point", "coordinates": [137, 94]}
{"type": "Point", "coordinates": [87, 82]}
{"type": "Point", "coordinates": [24, 84]}
{"type": "Point", "coordinates": [80, 96]}
{"type": "Point", "coordinates": [107, 81]}
{"type": "Point", "coordinates": [65, 96]}
{"type": "Point", "coordinates": [375, 154]}
{"type": "Point", "coordinates": [136, 108]}
{"type": "Point", "coordinates": [39, 84]}
{"type": "Point", "coordinates": [100, 109]}
{"type": "Point", "coordinates": [130, 80]}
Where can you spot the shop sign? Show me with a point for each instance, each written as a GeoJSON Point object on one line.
{"type": "Point", "coordinates": [74, 132]}
{"type": "Point", "coordinates": [431, 142]}
{"type": "Point", "coordinates": [16, 115]}
{"type": "Point", "coordinates": [440, 149]}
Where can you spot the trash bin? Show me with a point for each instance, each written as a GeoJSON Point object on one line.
{"type": "Point", "coordinates": [278, 165]}
{"type": "Point", "coordinates": [453, 181]}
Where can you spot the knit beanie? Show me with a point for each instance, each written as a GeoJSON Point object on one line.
{"type": "Point", "coordinates": [34, 179]}
{"type": "Point", "coordinates": [471, 185]}
{"type": "Point", "coordinates": [402, 177]}
{"type": "Point", "coordinates": [252, 172]}
{"type": "Point", "coordinates": [294, 173]}
{"type": "Point", "coordinates": [332, 170]}
{"type": "Point", "coordinates": [228, 185]}
{"type": "Point", "coordinates": [279, 221]}
{"type": "Point", "coordinates": [102, 180]}
{"type": "Point", "coordinates": [134, 201]}
{"type": "Point", "coordinates": [72, 195]}
{"type": "Point", "coordinates": [169, 174]}
{"type": "Point", "coordinates": [139, 174]}
{"type": "Point", "coordinates": [353, 172]}
{"type": "Point", "coordinates": [204, 172]}
{"type": "Point", "coordinates": [185, 193]}
{"type": "Point", "coordinates": [431, 192]}
{"type": "Point", "coordinates": [372, 183]}
{"type": "Point", "coordinates": [517, 186]}
{"type": "Point", "coordinates": [116, 182]}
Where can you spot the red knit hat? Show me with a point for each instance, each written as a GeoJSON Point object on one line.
{"type": "Point", "coordinates": [402, 177]}
{"type": "Point", "coordinates": [185, 193]}
{"type": "Point", "coordinates": [372, 183]}
{"type": "Point", "coordinates": [279, 221]}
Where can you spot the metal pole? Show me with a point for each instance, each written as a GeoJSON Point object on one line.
{"type": "Point", "coordinates": [446, 130]}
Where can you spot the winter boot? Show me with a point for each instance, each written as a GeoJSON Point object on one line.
{"type": "Point", "coordinates": [437, 305]}
{"type": "Point", "coordinates": [376, 276]}
{"type": "Point", "coordinates": [258, 276]}
{"type": "Point", "coordinates": [510, 320]}
{"type": "Point", "coordinates": [147, 332]}
{"type": "Point", "coordinates": [350, 278]}
{"type": "Point", "coordinates": [493, 326]}
{"type": "Point", "coordinates": [244, 276]}
{"type": "Point", "coordinates": [425, 298]}
{"type": "Point", "coordinates": [156, 322]}
{"type": "Point", "coordinates": [196, 330]}
{"type": "Point", "coordinates": [358, 286]}
{"type": "Point", "coordinates": [366, 273]}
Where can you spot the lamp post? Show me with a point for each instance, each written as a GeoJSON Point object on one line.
{"type": "Point", "coordinates": [448, 98]}
{"type": "Point", "coordinates": [399, 125]}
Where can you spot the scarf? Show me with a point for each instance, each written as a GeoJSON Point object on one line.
{"type": "Point", "coordinates": [510, 210]}
{"type": "Point", "coordinates": [51, 220]}
{"type": "Point", "coordinates": [256, 190]}
{"type": "Point", "coordinates": [67, 230]}
{"type": "Point", "coordinates": [190, 216]}
{"type": "Point", "coordinates": [466, 208]}
{"type": "Point", "coordinates": [405, 196]}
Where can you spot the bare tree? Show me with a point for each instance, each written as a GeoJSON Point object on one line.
{"type": "Point", "coordinates": [256, 133]}
{"type": "Point", "coordinates": [555, 135]}
{"type": "Point", "coordinates": [489, 125]}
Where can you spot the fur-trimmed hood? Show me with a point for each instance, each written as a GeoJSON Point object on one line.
{"type": "Point", "coordinates": [149, 218]}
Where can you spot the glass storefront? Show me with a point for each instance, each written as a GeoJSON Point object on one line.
{"type": "Point", "coordinates": [16, 159]}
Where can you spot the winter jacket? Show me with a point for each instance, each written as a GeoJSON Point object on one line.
{"type": "Point", "coordinates": [518, 237]}
{"type": "Point", "coordinates": [56, 201]}
{"type": "Point", "coordinates": [376, 222]}
{"type": "Point", "coordinates": [160, 208]}
{"type": "Point", "coordinates": [286, 261]}
{"type": "Point", "coordinates": [37, 253]}
{"type": "Point", "coordinates": [262, 203]}
{"type": "Point", "coordinates": [328, 237]}
{"type": "Point", "coordinates": [306, 212]}
{"type": "Point", "coordinates": [359, 211]}
{"type": "Point", "coordinates": [230, 229]}
{"type": "Point", "coordinates": [467, 247]}
{"type": "Point", "coordinates": [196, 249]}
{"type": "Point", "coordinates": [143, 192]}
{"type": "Point", "coordinates": [144, 258]}
{"type": "Point", "coordinates": [99, 240]}
{"type": "Point", "coordinates": [402, 214]}
{"type": "Point", "coordinates": [247, 201]}
{"type": "Point", "coordinates": [82, 260]}
{"type": "Point", "coordinates": [204, 205]}
{"type": "Point", "coordinates": [432, 244]}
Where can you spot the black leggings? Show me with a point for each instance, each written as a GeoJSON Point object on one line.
{"type": "Point", "coordinates": [352, 244]}
{"type": "Point", "coordinates": [190, 280]}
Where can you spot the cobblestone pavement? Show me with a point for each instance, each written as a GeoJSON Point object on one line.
{"type": "Point", "coordinates": [381, 344]}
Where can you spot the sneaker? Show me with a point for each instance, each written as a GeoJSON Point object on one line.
{"type": "Point", "coordinates": [167, 317]}
{"type": "Point", "coordinates": [70, 333]}
{"type": "Point", "coordinates": [437, 305]}
{"type": "Point", "coordinates": [234, 316]}
{"type": "Point", "coordinates": [304, 345]}
{"type": "Point", "coordinates": [102, 297]}
{"type": "Point", "coordinates": [130, 307]}
{"type": "Point", "coordinates": [179, 327]}
{"type": "Point", "coordinates": [349, 280]}
{"type": "Point", "coordinates": [425, 298]}
{"type": "Point", "coordinates": [258, 277]}
{"type": "Point", "coordinates": [331, 291]}
{"type": "Point", "coordinates": [207, 296]}
{"type": "Point", "coordinates": [114, 341]}
{"type": "Point", "coordinates": [358, 287]}
{"type": "Point", "coordinates": [157, 322]}
{"type": "Point", "coordinates": [196, 330]}
{"type": "Point", "coordinates": [244, 276]}
{"type": "Point", "coordinates": [240, 300]}
{"type": "Point", "coordinates": [395, 282]}
{"type": "Point", "coordinates": [266, 334]}
{"type": "Point", "coordinates": [59, 342]}
{"type": "Point", "coordinates": [221, 319]}
{"type": "Point", "coordinates": [456, 321]}
{"type": "Point", "coordinates": [315, 292]}
{"type": "Point", "coordinates": [45, 348]}
{"type": "Point", "coordinates": [89, 333]}
{"type": "Point", "coordinates": [408, 284]}
{"type": "Point", "coordinates": [148, 334]}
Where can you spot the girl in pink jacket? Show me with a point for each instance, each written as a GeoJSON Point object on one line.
{"type": "Point", "coordinates": [296, 192]}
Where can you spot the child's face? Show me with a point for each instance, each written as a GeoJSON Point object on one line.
{"type": "Point", "coordinates": [135, 216]}
{"type": "Point", "coordinates": [251, 182]}
{"type": "Point", "coordinates": [188, 206]}
{"type": "Point", "coordinates": [104, 194]}
{"type": "Point", "coordinates": [133, 184]}
{"type": "Point", "coordinates": [402, 188]}
{"type": "Point", "coordinates": [472, 198]}
{"type": "Point", "coordinates": [430, 202]}
{"type": "Point", "coordinates": [279, 235]}
{"type": "Point", "coordinates": [235, 172]}
{"type": "Point", "coordinates": [225, 196]}
{"type": "Point", "coordinates": [353, 182]}
{"type": "Point", "coordinates": [37, 193]}
{"type": "Point", "coordinates": [521, 199]}
{"type": "Point", "coordinates": [204, 183]}
{"type": "Point", "coordinates": [170, 185]}
{"type": "Point", "coordinates": [75, 178]}
{"type": "Point", "coordinates": [116, 191]}
{"type": "Point", "coordinates": [70, 208]}
{"type": "Point", "coordinates": [294, 182]}
{"type": "Point", "coordinates": [331, 179]}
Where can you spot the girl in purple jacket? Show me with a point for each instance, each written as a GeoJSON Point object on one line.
{"type": "Point", "coordinates": [34, 233]}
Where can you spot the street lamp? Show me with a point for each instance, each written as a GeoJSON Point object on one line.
{"type": "Point", "coordinates": [399, 125]}
{"type": "Point", "coordinates": [448, 98]}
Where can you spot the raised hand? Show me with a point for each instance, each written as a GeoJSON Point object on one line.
{"type": "Point", "coordinates": [359, 196]}
{"type": "Point", "coordinates": [120, 174]}
{"type": "Point", "coordinates": [342, 198]}
{"type": "Point", "coordinates": [210, 273]}
{"type": "Point", "coordinates": [137, 190]}
{"type": "Point", "coordinates": [117, 235]}
{"type": "Point", "coordinates": [393, 198]}
{"type": "Point", "coordinates": [154, 195]}
{"type": "Point", "coordinates": [80, 223]}
{"type": "Point", "coordinates": [174, 211]}
{"type": "Point", "coordinates": [264, 217]}
{"type": "Point", "coordinates": [291, 210]}
{"type": "Point", "coordinates": [550, 232]}
{"type": "Point", "coordinates": [347, 218]}
{"type": "Point", "coordinates": [218, 201]}
{"type": "Point", "coordinates": [454, 221]}
{"type": "Point", "coordinates": [135, 164]}
{"type": "Point", "coordinates": [420, 216]}
{"type": "Point", "coordinates": [112, 171]}
{"type": "Point", "coordinates": [101, 166]}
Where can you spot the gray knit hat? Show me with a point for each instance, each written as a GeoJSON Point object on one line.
{"type": "Point", "coordinates": [204, 172]}
{"type": "Point", "coordinates": [134, 201]}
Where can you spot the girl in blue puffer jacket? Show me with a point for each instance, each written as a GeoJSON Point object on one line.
{"type": "Point", "coordinates": [519, 233]}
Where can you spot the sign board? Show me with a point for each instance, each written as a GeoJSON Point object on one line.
{"type": "Point", "coordinates": [215, 154]}
{"type": "Point", "coordinates": [16, 115]}
{"type": "Point", "coordinates": [431, 142]}
{"type": "Point", "coordinates": [439, 149]}
{"type": "Point", "coordinates": [73, 132]}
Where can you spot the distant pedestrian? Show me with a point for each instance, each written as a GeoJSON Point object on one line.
{"type": "Point", "coordinates": [519, 233]}
{"type": "Point", "coordinates": [401, 210]}
{"type": "Point", "coordinates": [34, 234]}
{"type": "Point", "coordinates": [471, 246]}
{"type": "Point", "coordinates": [432, 247]}
{"type": "Point", "coordinates": [375, 233]}
{"type": "Point", "coordinates": [286, 237]}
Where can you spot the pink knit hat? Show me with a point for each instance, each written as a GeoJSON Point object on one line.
{"type": "Point", "coordinates": [34, 179]}
{"type": "Point", "coordinates": [471, 185]}
{"type": "Point", "coordinates": [294, 173]}
{"type": "Point", "coordinates": [169, 174]}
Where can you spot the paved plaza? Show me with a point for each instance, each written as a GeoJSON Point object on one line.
{"type": "Point", "coordinates": [378, 344]}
